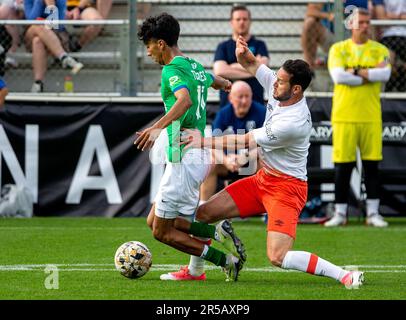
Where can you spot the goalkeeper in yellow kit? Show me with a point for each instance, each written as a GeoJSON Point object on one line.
{"type": "Point", "coordinates": [358, 67]}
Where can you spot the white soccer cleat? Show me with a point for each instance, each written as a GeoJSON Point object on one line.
{"type": "Point", "coordinates": [376, 220]}
{"type": "Point", "coordinates": [337, 220]}
{"type": "Point", "coordinates": [353, 280]}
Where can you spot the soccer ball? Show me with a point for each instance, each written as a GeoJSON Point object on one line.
{"type": "Point", "coordinates": [133, 259]}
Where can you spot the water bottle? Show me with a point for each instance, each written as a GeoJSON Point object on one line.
{"type": "Point", "coordinates": [68, 84]}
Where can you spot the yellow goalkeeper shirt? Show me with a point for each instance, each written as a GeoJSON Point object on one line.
{"type": "Point", "coordinates": [357, 103]}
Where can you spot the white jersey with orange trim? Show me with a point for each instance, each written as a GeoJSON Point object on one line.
{"type": "Point", "coordinates": [284, 137]}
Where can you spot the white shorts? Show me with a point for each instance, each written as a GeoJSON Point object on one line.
{"type": "Point", "coordinates": [179, 188]}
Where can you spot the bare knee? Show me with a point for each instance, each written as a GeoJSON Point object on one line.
{"type": "Point", "coordinates": [161, 235]}
{"type": "Point", "coordinates": [150, 222]}
{"type": "Point", "coordinates": [276, 257]}
{"type": "Point", "coordinates": [309, 23]}
{"type": "Point", "coordinates": [203, 214]}
{"type": "Point", "coordinates": [36, 41]}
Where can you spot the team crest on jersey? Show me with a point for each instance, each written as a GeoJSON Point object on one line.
{"type": "Point", "coordinates": [173, 80]}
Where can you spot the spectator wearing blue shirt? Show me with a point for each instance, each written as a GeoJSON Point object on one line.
{"type": "Point", "coordinates": [3, 92]}
{"type": "Point", "coordinates": [40, 39]}
{"type": "Point", "coordinates": [225, 62]}
{"type": "Point", "coordinates": [240, 114]}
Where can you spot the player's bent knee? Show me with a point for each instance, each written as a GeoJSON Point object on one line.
{"type": "Point", "coordinates": [276, 259]}
{"type": "Point", "coordinates": [150, 223]}
{"type": "Point", "coordinates": [202, 214]}
{"type": "Point", "coordinates": [158, 234]}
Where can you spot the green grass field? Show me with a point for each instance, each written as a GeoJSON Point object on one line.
{"type": "Point", "coordinates": [83, 250]}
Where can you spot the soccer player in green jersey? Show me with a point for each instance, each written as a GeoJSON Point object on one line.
{"type": "Point", "coordinates": [184, 92]}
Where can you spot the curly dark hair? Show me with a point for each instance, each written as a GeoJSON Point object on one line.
{"type": "Point", "coordinates": [161, 27]}
{"type": "Point", "coordinates": [300, 72]}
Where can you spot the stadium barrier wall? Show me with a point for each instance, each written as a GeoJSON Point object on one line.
{"type": "Point", "coordinates": [78, 158]}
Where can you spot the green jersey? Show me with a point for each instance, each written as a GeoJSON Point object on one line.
{"type": "Point", "coordinates": [187, 73]}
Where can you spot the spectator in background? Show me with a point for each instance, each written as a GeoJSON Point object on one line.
{"type": "Point", "coordinates": [103, 7]}
{"type": "Point", "coordinates": [318, 29]}
{"type": "Point", "coordinates": [225, 62]}
{"type": "Point", "coordinates": [5, 44]}
{"type": "Point", "coordinates": [41, 40]}
{"type": "Point", "coordinates": [241, 113]}
{"type": "Point", "coordinates": [12, 10]}
{"type": "Point", "coordinates": [3, 92]}
{"type": "Point", "coordinates": [358, 67]}
{"type": "Point", "coordinates": [394, 38]}
{"type": "Point", "coordinates": [82, 10]}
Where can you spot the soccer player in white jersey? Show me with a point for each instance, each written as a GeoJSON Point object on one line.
{"type": "Point", "coordinates": [280, 187]}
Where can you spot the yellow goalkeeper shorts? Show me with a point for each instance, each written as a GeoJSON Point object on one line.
{"type": "Point", "coordinates": [348, 136]}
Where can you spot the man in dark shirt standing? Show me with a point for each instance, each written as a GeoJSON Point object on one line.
{"type": "Point", "coordinates": [225, 62]}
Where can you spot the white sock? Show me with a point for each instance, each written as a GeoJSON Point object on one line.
{"type": "Point", "coordinates": [341, 208]}
{"type": "Point", "coordinates": [372, 206]}
{"type": "Point", "coordinates": [196, 264]}
{"type": "Point", "coordinates": [310, 263]}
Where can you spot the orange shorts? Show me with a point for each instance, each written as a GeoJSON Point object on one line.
{"type": "Point", "coordinates": [282, 197]}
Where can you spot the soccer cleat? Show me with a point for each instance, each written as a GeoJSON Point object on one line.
{"type": "Point", "coordinates": [353, 279]}
{"type": "Point", "coordinates": [232, 267]}
{"type": "Point", "coordinates": [376, 220]}
{"type": "Point", "coordinates": [182, 275]}
{"type": "Point", "coordinates": [337, 220]}
{"type": "Point", "coordinates": [69, 62]}
{"type": "Point", "coordinates": [226, 236]}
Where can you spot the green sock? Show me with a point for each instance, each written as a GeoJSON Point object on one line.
{"type": "Point", "coordinates": [215, 256]}
{"type": "Point", "coordinates": [204, 230]}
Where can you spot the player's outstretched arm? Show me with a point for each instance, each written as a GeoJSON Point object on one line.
{"type": "Point", "coordinates": [245, 57]}
{"type": "Point", "coordinates": [221, 83]}
{"type": "Point", "coordinates": [147, 137]}
{"type": "Point", "coordinates": [192, 138]}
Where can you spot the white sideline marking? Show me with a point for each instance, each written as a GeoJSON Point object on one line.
{"type": "Point", "coordinates": [68, 228]}
{"type": "Point", "coordinates": [92, 267]}
{"type": "Point", "coordinates": [312, 228]}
